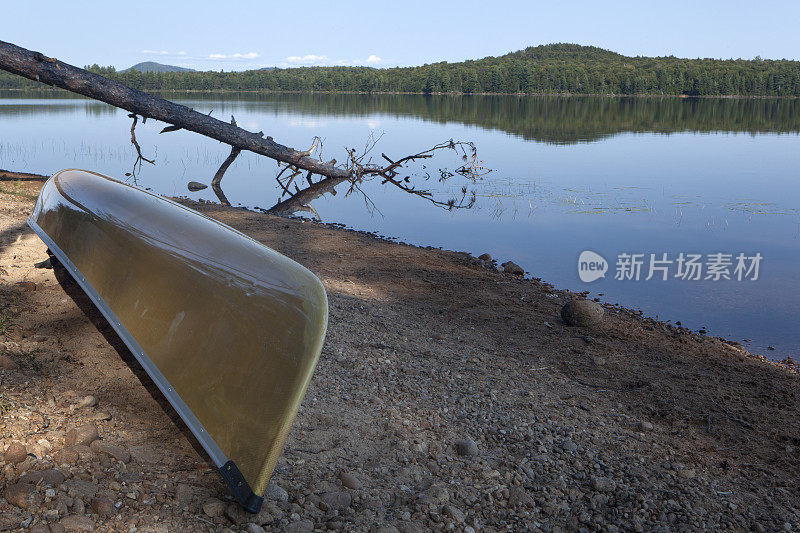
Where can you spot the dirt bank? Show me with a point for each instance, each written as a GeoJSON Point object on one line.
{"type": "Point", "coordinates": [630, 425]}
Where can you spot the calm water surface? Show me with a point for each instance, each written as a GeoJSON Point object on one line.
{"type": "Point", "coordinates": [613, 175]}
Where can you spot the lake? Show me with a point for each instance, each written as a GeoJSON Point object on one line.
{"type": "Point", "coordinates": [717, 180]}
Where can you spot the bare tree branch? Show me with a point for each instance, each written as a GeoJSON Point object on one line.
{"type": "Point", "coordinates": [357, 168]}
{"type": "Point", "coordinates": [135, 143]}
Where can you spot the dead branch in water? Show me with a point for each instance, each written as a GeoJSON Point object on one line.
{"type": "Point", "coordinates": [357, 168]}
{"type": "Point", "coordinates": [135, 143]}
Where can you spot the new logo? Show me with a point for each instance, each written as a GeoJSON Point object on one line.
{"type": "Point", "coordinates": [591, 266]}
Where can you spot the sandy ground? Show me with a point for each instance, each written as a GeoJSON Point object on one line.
{"type": "Point", "coordinates": [628, 425]}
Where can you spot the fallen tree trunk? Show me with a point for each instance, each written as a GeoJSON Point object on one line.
{"type": "Point", "coordinates": [50, 71]}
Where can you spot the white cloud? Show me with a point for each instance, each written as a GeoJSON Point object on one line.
{"type": "Point", "coordinates": [306, 59]}
{"type": "Point", "coordinates": [182, 53]}
{"type": "Point", "coordinates": [248, 55]}
{"type": "Point", "coordinates": [374, 59]}
{"type": "Point", "coordinates": [155, 52]}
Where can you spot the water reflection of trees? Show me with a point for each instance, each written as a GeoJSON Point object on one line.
{"type": "Point", "coordinates": [551, 119]}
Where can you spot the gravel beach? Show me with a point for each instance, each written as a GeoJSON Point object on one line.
{"type": "Point", "coordinates": [450, 396]}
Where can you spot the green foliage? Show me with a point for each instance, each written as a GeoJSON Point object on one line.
{"type": "Point", "coordinates": [547, 69]}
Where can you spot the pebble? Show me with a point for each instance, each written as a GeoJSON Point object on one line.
{"type": "Point", "coordinates": [336, 500]}
{"type": "Point", "coordinates": [644, 425]}
{"type": "Point", "coordinates": [467, 447]}
{"type": "Point", "coordinates": [15, 453]}
{"type": "Point", "coordinates": [569, 446]}
{"type": "Point", "coordinates": [66, 456]}
{"type": "Point", "coordinates": [510, 267]}
{"type": "Point", "coordinates": [214, 507]}
{"type": "Point", "coordinates": [102, 506]}
{"type": "Point", "coordinates": [112, 450]}
{"type": "Point", "coordinates": [300, 526]}
{"type": "Point", "coordinates": [276, 493]}
{"type": "Point", "coordinates": [78, 488]}
{"type": "Point", "coordinates": [86, 401]}
{"type": "Point", "coordinates": [686, 473]}
{"type": "Point", "coordinates": [581, 313]}
{"type": "Point", "coordinates": [195, 186]}
{"type": "Point", "coordinates": [21, 495]}
{"type": "Point", "coordinates": [349, 480]}
{"type": "Point", "coordinates": [253, 528]}
{"type": "Point", "coordinates": [77, 523]}
{"type": "Point", "coordinates": [603, 484]}
{"type": "Point", "coordinates": [454, 513]}
{"type": "Point", "coordinates": [82, 435]}
{"type": "Point", "coordinates": [519, 497]}
{"type": "Point", "coordinates": [46, 477]}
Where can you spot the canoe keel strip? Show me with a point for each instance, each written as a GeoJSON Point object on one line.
{"type": "Point", "coordinates": [228, 329]}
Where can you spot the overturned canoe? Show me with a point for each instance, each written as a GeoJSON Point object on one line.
{"type": "Point", "coordinates": [228, 329]}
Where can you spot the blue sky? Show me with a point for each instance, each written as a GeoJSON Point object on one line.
{"type": "Point", "coordinates": [239, 35]}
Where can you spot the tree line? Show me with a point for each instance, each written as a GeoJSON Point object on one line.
{"type": "Point", "coordinates": [546, 69]}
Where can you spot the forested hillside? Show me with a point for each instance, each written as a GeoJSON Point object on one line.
{"type": "Point", "coordinates": [547, 69]}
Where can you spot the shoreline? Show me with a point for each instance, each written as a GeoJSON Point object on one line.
{"type": "Point", "coordinates": [454, 94]}
{"type": "Point", "coordinates": [787, 363]}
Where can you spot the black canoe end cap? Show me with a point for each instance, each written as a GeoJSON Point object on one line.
{"type": "Point", "coordinates": [241, 489]}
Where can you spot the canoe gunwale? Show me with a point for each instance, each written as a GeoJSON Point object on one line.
{"type": "Point", "coordinates": [247, 498]}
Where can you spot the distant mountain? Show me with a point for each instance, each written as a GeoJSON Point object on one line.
{"type": "Point", "coordinates": [152, 66]}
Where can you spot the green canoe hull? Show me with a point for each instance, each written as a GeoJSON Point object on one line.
{"type": "Point", "coordinates": [228, 329]}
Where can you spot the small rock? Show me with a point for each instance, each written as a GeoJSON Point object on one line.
{"type": "Point", "coordinates": [686, 473]}
{"type": "Point", "coordinates": [100, 415]}
{"type": "Point", "coordinates": [21, 495]}
{"type": "Point", "coordinates": [335, 500]}
{"type": "Point", "coordinates": [84, 452]}
{"type": "Point", "coordinates": [466, 447]}
{"type": "Point", "coordinates": [349, 480]}
{"type": "Point", "coordinates": [77, 523]}
{"type": "Point", "coordinates": [644, 425]}
{"type": "Point", "coordinates": [214, 508]}
{"type": "Point", "coordinates": [15, 453]}
{"type": "Point", "coordinates": [276, 493]}
{"type": "Point", "coordinates": [117, 452]}
{"type": "Point", "coordinates": [195, 186]}
{"type": "Point", "coordinates": [436, 495]}
{"type": "Point", "coordinates": [6, 363]}
{"type": "Point", "coordinates": [485, 257]}
{"type": "Point", "coordinates": [66, 456]}
{"type": "Point", "coordinates": [184, 494]}
{"type": "Point", "coordinates": [253, 528]}
{"type": "Point", "coordinates": [86, 401]}
{"type": "Point", "coordinates": [603, 484]}
{"type": "Point", "coordinates": [581, 313]}
{"type": "Point", "coordinates": [519, 497]}
{"type": "Point", "coordinates": [78, 488]}
{"type": "Point", "coordinates": [510, 267]}
{"type": "Point", "coordinates": [47, 477]}
{"type": "Point", "coordinates": [300, 526]}
{"type": "Point", "coordinates": [454, 513]}
{"type": "Point", "coordinates": [82, 435]}
{"type": "Point", "coordinates": [569, 446]}
{"type": "Point", "coordinates": [102, 506]}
